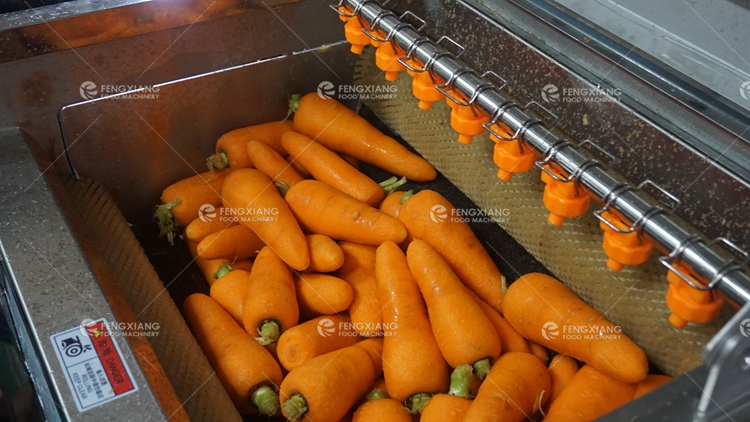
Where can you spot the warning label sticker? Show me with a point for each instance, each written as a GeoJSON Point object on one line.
{"type": "Point", "coordinates": [93, 364]}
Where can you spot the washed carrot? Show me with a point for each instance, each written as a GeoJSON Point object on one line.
{"type": "Point", "coordinates": [229, 292]}
{"type": "Point", "coordinates": [243, 264]}
{"type": "Point", "coordinates": [236, 242]}
{"type": "Point", "coordinates": [381, 386]}
{"type": "Point", "coordinates": [326, 387]}
{"type": "Point", "coordinates": [231, 148]}
{"type": "Point", "coordinates": [547, 312]}
{"type": "Point", "coordinates": [650, 383]}
{"type": "Point", "coordinates": [539, 351]}
{"type": "Point", "coordinates": [209, 267]}
{"type": "Point", "coordinates": [516, 387]}
{"type": "Point", "coordinates": [298, 167]}
{"type": "Point", "coordinates": [182, 201]}
{"type": "Point", "coordinates": [589, 394]}
{"type": "Point", "coordinates": [415, 365]}
{"type": "Point", "coordinates": [325, 254]}
{"type": "Point", "coordinates": [211, 222]}
{"type": "Point", "coordinates": [463, 332]}
{"type": "Point", "coordinates": [354, 162]}
{"type": "Point", "coordinates": [270, 303]}
{"type": "Point", "coordinates": [321, 294]}
{"type": "Point", "coordinates": [253, 197]}
{"type": "Point", "coordinates": [246, 370]}
{"type": "Point", "coordinates": [315, 337]}
{"type": "Point", "coordinates": [510, 340]}
{"type": "Point", "coordinates": [270, 163]}
{"type": "Point", "coordinates": [326, 210]}
{"type": "Point", "coordinates": [445, 408]}
{"type": "Point", "coordinates": [391, 205]}
{"type": "Point", "coordinates": [326, 166]}
{"type": "Point", "coordinates": [562, 369]}
{"type": "Point", "coordinates": [381, 409]}
{"type": "Point", "coordinates": [429, 216]}
{"type": "Point", "coordinates": [359, 271]}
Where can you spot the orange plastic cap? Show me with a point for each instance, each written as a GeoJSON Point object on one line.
{"type": "Point", "coordinates": [386, 59]}
{"type": "Point", "coordinates": [355, 36]}
{"type": "Point", "coordinates": [625, 249]}
{"type": "Point", "coordinates": [467, 123]}
{"type": "Point", "coordinates": [684, 309]}
{"type": "Point", "coordinates": [510, 161]}
{"type": "Point", "coordinates": [563, 206]}
{"type": "Point", "coordinates": [423, 87]}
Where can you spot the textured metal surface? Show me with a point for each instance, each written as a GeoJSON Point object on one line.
{"type": "Point", "coordinates": [53, 281]}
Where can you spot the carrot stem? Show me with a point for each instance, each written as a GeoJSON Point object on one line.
{"type": "Point", "coordinates": [269, 332]}
{"type": "Point", "coordinates": [482, 368]}
{"type": "Point", "coordinates": [218, 161]}
{"type": "Point", "coordinates": [283, 188]}
{"type": "Point", "coordinates": [293, 105]}
{"type": "Point", "coordinates": [392, 184]}
{"type": "Point", "coordinates": [461, 379]}
{"type": "Point", "coordinates": [266, 400]}
{"type": "Point", "coordinates": [417, 402]}
{"type": "Point", "coordinates": [223, 270]}
{"type": "Point", "coordinates": [377, 394]}
{"type": "Point", "coordinates": [167, 225]}
{"type": "Point", "coordinates": [406, 196]}
{"type": "Point", "coordinates": [295, 407]}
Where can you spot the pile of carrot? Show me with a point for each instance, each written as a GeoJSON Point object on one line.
{"type": "Point", "coordinates": [334, 297]}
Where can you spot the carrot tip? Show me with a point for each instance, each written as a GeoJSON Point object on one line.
{"type": "Point", "coordinates": [167, 225]}
{"type": "Point", "coordinates": [295, 407]}
{"type": "Point", "coordinates": [223, 270]}
{"type": "Point", "coordinates": [461, 379]}
{"type": "Point", "coordinates": [482, 368]}
{"type": "Point", "coordinates": [406, 196]}
{"type": "Point", "coordinates": [217, 161]}
{"type": "Point", "coordinates": [269, 332]}
{"type": "Point", "coordinates": [266, 400]}
{"type": "Point", "coordinates": [377, 394]}
{"type": "Point", "coordinates": [417, 402]}
{"type": "Point", "coordinates": [504, 284]}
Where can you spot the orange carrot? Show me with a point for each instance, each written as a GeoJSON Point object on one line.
{"type": "Point", "coordinates": [231, 148]}
{"type": "Point", "coordinates": [650, 383]}
{"type": "Point", "coordinates": [270, 163]}
{"type": "Point", "coordinates": [321, 294]}
{"type": "Point", "coordinates": [547, 312]}
{"type": "Point", "coordinates": [325, 210]}
{"type": "Point", "coordinates": [510, 340]}
{"type": "Point", "coordinates": [247, 371]}
{"type": "Point", "coordinates": [236, 242]}
{"type": "Point", "coordinates": [562, 369]}
{"type": "Point", "coordinates": [325, 254]}
{"type": "Point", "coordinates": [464, 333]}
{"type": "Point", "coordinates": [415, 366]}
{"type": "Point", "coordinates": [326, 166]}
{"type": "Point", "coordinates": [539, 351]}
{"type": "Point", "coordinates": [340, 129]}
{"type": "Point", "coordinates": [326, 387]}
{"type": "Point", "coordinates": [430, 217]}
{"type": "Point", "coordinates": [381, 409]}
{"type": "Point", "coordinates": [229, 292]}
{"type": "Point", "coordinates": [445, 408]}
{"type": "Point", "coordinates": [182, 201]}
{"type": "Point", "coordinates": [298, 167]}
{"type": "Point", "coordinates": [391, 205]}
{"type": "Point", "coordinates": [313, 338]}
{"type": "Point", "coordinates": [243, 264]}
{"type": "Point", "coordinates": [211, 222]}
{"type": "Point", "coordinates": [516, 387]}
{"type": "Point", "coordinates": [359, 271]}
{"type": "Point", "coordinates": [270, 304]}
{"type": "Point", "coordinates": [209, 267]}
{"type": "Point", "coordinates": [254, 198]}
{"type": "Point", "coordinates": [589, 394]}
{"type": "Point", "coordinates": [354, 162]}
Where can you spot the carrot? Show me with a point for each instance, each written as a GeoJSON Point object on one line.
{"type": "Point", "coordinates": [250, 192]}
{"type": "Point", "coordinates": [211, 222]}
{"type": "Point", "coordinates": [182, 201]}
{"type": "Point", "coordinates": [510, 340]}
{"type": "Point", "coordinates": [326, 166]}
{"type": "Point", "coordinates": [445, 408]}
{"type": "Point", "coordinates": [247, 371]}
{"type": "Point", "coordinates": [589, 395]}
{"type": "Point", "coordinates": [354, 162]}
{"type": "Point", "coordinates": [415, 365]}
{"type": "Point", "coordinates": [321, 294]}
{"type": "Point", "coordinates": [326, 210]}
{"type": "Point", "coordinates": [270, 163]}
{"type": "Point", "coordinates": [243, 264]}
{"type": "Point", "coordinates": [516, 387]}
{"type": "Point", "coordinates": [270, 304]}
{"type": "Point", "coordinates": [391, 205]}
{"type": "Point", "coordinates": [463, 332]}
{"type": "Point", "coordinates": [229, 292]}
{"type": "Point", "coordinates": [359, 271]}
{"type": "Point", "coordinates": [298, 167]}
{"type": "Point", "coordinates": [325, 254]}
{"type": "Point", "coordinates": [340, 129]}
{"type": "Point", "coordinates": [236, 242]}
{"type": "Point", "coordinates": [539, 351]}
{"type": "Point", "coordinates": [231, 148]}
{"type": "Point", "coordinates": [315, 337]}
{"type": "Point", "coordinates": [209, 267]}
{"type": "Point", "coordinates": [650, 383]}
{"type": "Point", "coordinates": [562, 369]}
{"type": "Point", "coordinates": [381, 409]}
{"type": "Point", "coordinates": [430, 217]}
{"type": "Point", "coordinates": [325, 387]}
{"type": "Point", "coordinates": [547, 312]}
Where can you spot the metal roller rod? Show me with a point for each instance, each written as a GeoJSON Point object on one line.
{"type": "Point", "coordinates": [664, 232]}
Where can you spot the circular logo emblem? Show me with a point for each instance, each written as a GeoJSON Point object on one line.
{"type": "Point", "coordinates": [207, 213]}
{"type": "Point", "coordinates": [88, 90]}
{"type": "Point", "coordinates": [438, 213]}
{"type": "Point", "coordinates": [745, 327]}
{"type": "Point", "coordinates": [325, 327]}
{"type": "Point", "coordinates": [550, 330]}
{"type": "Point", "coordinates": [745, 90]}
{"type": "Point", "coordinates": [550, 93]}
{"type": "Point", "coordinates": [326, 90]}
{"type": "Point", "coordinates": [84, 328]}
